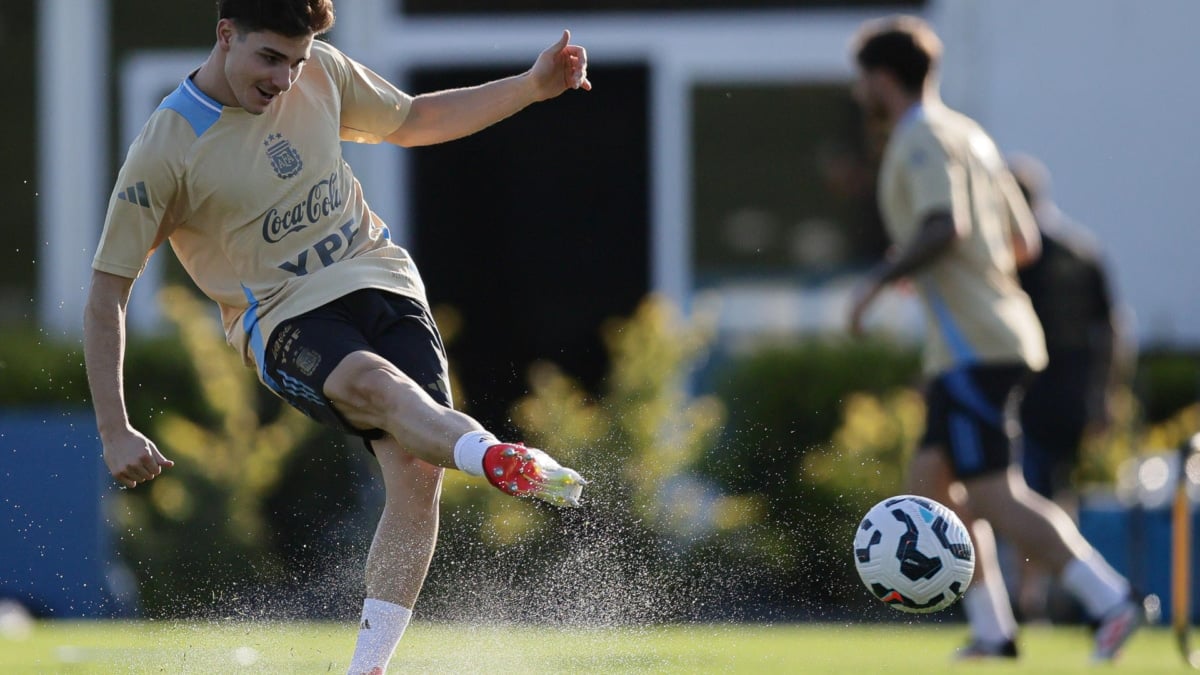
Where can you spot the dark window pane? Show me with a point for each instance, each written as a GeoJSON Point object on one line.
{"type": "Point", "coordinates": [18, 175]}
{"type": "Point", "coordinates": [782, 183]}
{"type": "Point", "coordinates": [536, 231]}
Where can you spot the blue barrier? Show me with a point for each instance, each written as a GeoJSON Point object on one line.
{"type": "Point", "coordinates": [56, 553]}
{"type": "Point", "coordinates": [1137, 543]}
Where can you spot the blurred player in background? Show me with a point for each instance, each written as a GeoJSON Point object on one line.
{"type": "Point", "coordinates": [960, 229]}
{"type": "Point", "coordinates": [1071, 292]}
{"type": "Point", "coordinates": [1069, 401]}
{"type": "Point", "coordinates": [241, 170]}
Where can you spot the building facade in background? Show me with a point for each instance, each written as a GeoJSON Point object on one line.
{"type": "Point", "coordinates": [750, 191]}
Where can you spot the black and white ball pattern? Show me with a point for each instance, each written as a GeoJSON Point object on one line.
{"type": "Point", "coordinates": [914, 554]}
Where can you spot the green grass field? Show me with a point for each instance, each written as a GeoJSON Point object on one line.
{"type": "Point", "coordinates": [139, 647]}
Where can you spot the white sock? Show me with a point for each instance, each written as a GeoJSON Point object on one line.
{"type": "Point", "coordinates": [379, 632]}
{"type": "Point", "coordinates": [468, 451]}
{"type": "Point", "coordinates": [989, 612]}
{"type": "Point", "coordinates": [1097, 586]}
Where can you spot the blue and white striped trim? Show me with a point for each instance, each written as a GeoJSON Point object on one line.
{"type": "Point", "coordinates": [964, 443]}
{"type": "Point", "coordinates": [200, 110]}
{"type": "Point", "coordinates": [964, 392]}
{"type": "Point", "coordinates": [960, 349]}
{"type": "Point", "coordinates": [298, 389]}
{"type": "Point", "coordinates": [255, 337]}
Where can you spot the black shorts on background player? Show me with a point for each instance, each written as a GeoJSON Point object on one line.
{"type": "Point", "coordinates": [971, 414]}
{"type": "Point", "coordinates": [1053, 419]}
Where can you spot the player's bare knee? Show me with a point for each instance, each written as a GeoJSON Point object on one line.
{"type": "Point", "coordinates": [360, 383]}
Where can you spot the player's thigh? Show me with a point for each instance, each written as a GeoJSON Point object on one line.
{"type": "Point", "coordinates": [401, 374]}
{"type": "Point", "coordinates": [411, 342]}
{"type": "Point", "coordinates": [994, 497]}
{"type": "Point", "coordinates": [364, 381]}
{"type": "Point", "coordinates": [1011, 506]}
{"type": "Point", "coordinates": [930, 473]}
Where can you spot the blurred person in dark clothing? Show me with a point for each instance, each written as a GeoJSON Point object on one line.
{"type": "Point", "coordinates": [1067, 402]}
{"type": "Point", "coordinates": [1072, 296]}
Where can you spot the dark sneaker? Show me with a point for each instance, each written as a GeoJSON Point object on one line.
{"type": "Point", "coordinates": [529, 472]}
{"type": "Point", "coordinates": [1116, 628]}
{"type": "Point", "coordinates": [977, 649]}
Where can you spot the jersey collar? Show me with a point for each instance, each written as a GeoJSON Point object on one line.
{"type": "Point", "coordinates": [914, 113]}
{"type": "Point", "coordinates": [200, 97]}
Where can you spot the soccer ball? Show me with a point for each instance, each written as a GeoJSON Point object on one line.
{"type": "Point", "coordinates": [914, 554]}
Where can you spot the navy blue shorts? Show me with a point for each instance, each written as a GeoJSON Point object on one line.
{"type": "Point", "coordinates": [1054, 416]}
{"type": "Point", "coordinates": [971, 414]}
{"type": "Point", "coordinates": [305, 349]}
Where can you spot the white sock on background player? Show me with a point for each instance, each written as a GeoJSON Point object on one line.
{"type": "Point", "coordinates": [989, 612]}
{"type": "Point", "coordinates": [379, 631]}
{"type": "Point", "coordinates": [1097, 586]}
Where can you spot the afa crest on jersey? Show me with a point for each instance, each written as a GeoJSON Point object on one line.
{"type": "Point", "coordinates": [285, 160]}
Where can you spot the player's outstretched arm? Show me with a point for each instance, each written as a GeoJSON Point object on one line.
{"type": "Point", "coordinates": [131, 457]}
{"type": "Point", "coordinates": [453, 113]}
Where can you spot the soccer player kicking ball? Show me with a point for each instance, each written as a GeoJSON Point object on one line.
{"type": "Point", "coordinates": [241, 170]}
{"type": "Point", "coordinates": [961, 227]}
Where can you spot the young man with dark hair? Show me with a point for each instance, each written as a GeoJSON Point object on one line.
{"type": "Point", "coordinates": [961, 229]}
{"type": "Point", "coordinates": [241, 170]}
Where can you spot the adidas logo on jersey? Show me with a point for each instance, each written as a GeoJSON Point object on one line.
{"type": "Point", "coordinates": [135, 194]}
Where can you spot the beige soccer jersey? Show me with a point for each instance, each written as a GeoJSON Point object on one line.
{"type": "Point", "coordinates": [940, 160]}
{"type": "Point", "coordinates": [261, 210]}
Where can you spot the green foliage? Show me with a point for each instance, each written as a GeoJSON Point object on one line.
{"type": "Point", "coordinates": [1166, 382]}
{"type": "Point", "coordinates": [753, 488]}
{"type": "Point", "coordinates": [646, 424]}
{"type": "Point", "coordinates": [865, 460]}
{"type": "Point", "coordinates": [647, 514]}
{"type": "Point", "coordinates": [203, 519]}
{"type": "Point", "coordinates": [817, 428]}
{"type": "Point", "coordinates": [736, 506]}
{"type": "Point", "coordinates": [785, 400]}
{"type": "Point", "coordinates": [37, 369]}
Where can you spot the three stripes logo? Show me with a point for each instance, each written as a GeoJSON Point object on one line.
{"type": "Point", "coordinates": [135, 194]}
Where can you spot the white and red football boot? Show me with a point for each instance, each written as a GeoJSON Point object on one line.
{"type": "Point", "coordinates": [529, 472]}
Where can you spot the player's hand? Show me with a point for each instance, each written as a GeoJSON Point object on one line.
{"type": "Point", "coordinates": [132, 458]}
{"type": "Point", "coordinates": [862, 298]}
{"type": "Point", "coordinates": [560, 67]}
